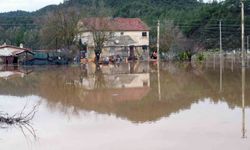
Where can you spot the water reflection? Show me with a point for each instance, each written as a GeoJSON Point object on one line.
{"type": "Point", "coordinates": [221, 71]}
{"type": "Point", "coordinates": [8, 72]}
{"type": "Point", "coordinates": [107, 89]}
{"type": "Point", "coordinates": [244, 63]}
{"type": "Point", "coordinates": [176, 102]}
{"type": "Point", "coordinates": [159, 79]}
{"type": "Point", "coordinates": [243, 102]}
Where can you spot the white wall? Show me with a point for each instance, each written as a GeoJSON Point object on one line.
{"type": "Point", "coordinates": [135, 35]}
{"type": "Point", "coordinates": [87, 37]}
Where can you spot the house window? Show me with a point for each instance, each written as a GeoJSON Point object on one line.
{"type": "Point", "coordinates": [144, 34]}
{"type": "Point", "coordinates": [122, 33]}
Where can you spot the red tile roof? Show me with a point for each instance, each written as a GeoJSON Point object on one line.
{"type": "Point", "coordinates": [130, 24]}
{"type": "Point", "coordinates": [115, 24]}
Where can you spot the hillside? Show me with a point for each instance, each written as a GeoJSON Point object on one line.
{"type": "Point", "coordinates": [198, 21]}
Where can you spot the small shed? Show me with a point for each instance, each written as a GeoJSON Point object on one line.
{"type": "Point", "coordinates": [11, 54]}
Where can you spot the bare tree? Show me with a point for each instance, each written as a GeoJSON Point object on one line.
{"type": "Point", "coordinates": [171, 36]}
{"type": "Point", "coordinates": [167, 35]}
{"type": "Point", "coordinates": [100, 25]}
{"type": "Point", "coordinates": [101, 33]}
{"type": "Point", "coordinates": [172, 39]}
{"type": "Point", "coordinates": [60, 28]}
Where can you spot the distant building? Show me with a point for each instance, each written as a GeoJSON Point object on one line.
{"type": "Point", "coordinates": [13, 55]}
{"type": "Point", "coordinates": [130, 37]}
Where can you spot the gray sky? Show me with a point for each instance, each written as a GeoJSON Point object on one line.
{"type": "Point", "coordinates": [28, 5]}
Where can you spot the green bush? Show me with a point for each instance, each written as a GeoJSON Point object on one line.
{"type": "Point", "coordinates": [184, 56]}
{"type": "Point", "coordinates": [200, 57]}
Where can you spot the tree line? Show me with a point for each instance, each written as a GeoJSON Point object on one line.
{"type": "Point", "coordinates": [185, 24]}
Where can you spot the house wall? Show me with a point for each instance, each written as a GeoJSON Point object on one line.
{"type": "Point", "coordinates": [140, 40]}
{"type": "Point", "coordinates": [121, 51]}
{"type": "Point", "coordinates": [1, 60]}
{"type": "Point", "coordinates": [7, 60]}
{"type": "Point", "coordinates": [137, 36]}
{"type": "Point", "coordinates": [108, 51]}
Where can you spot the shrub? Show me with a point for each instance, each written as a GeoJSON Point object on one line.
{"type": "Point", "coordinates": [184, 56]}
{"type": "Point", "coordinates": [200, 57]}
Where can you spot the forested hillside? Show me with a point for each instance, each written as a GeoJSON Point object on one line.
{"type": "Point", "coordinates": [197, 22]}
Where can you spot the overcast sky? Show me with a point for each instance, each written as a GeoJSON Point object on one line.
{"type": "Point", "coordinates": [28, 5]}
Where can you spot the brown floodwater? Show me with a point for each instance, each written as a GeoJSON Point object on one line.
{"type": "Point", "coordinates": [140, 106]}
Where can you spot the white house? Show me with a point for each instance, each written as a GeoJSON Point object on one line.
{"type": "Point", "coordinates": [129, 37]}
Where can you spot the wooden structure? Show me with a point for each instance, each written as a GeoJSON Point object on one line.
{"type": "Point", "coordinates": [12, 54]}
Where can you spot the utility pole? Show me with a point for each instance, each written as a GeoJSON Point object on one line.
{"type": "Point", "coordinates": [221, 72]}
{"type": "Point", "coordinates": [158, 41]}
{"type": "Point", "coordinates": [243, 66]}
{"type": "Point", "coordinates": [221, 60]}
{"type": "Point", "coordinates": [158, 59]}
{"type": "Point", "coordinates": [220, 39]}
{"type": "Point", "coordinates": [242, 33]}
{"type": "Point", "coordinates": [247, 50]}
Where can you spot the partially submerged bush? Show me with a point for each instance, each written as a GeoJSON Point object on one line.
{"type": "Point", "coordinates": [200, 57]}
{"type": "Point", "coordinates": [185, 56]}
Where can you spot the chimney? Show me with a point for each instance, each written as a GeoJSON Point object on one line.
{"type": "Point", "coordinates": [21, 45]}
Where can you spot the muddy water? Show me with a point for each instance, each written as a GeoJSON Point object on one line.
{"type": "Point", "coordinates": [188, 106]}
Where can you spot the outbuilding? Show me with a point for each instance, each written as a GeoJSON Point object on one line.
{"type": "Point", "coordinates": [13, 55]}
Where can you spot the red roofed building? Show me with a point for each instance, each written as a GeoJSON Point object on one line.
{"type": "Point", "coordinates": [114, 24]}
{"type": "Point", "coordinates": [129, 36]}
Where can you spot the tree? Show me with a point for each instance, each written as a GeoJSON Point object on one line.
{"type": "Point", "coordinates": [167, 35]}
{"type": "Point", "coordinates": [31, 39]}
{"type": "Point", "coordinates": [197, 20]}
{"type": "Point", "coordinates": [60, 28]}
{"type": "Point", "coordinates": [174, 40]}
{"type": "Point", "coordinates": [100, 26]}
{"type": "Point", "coordinates": [100, 36]}
{"type": "Point", "coordinates": [171, 37]}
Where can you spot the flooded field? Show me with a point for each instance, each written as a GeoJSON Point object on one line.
{"type": "Point", "coordinates": [137, 106]}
